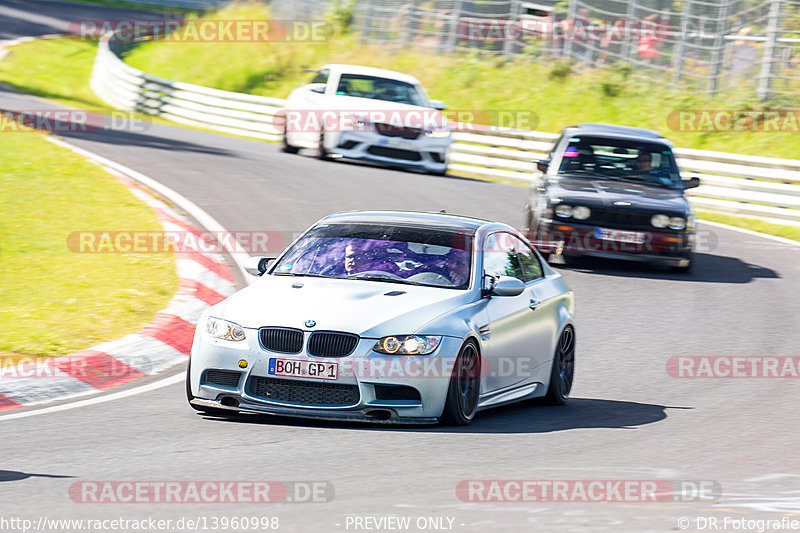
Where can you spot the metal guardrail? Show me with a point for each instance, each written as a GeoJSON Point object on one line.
{"type": "Point", "coordinates": [731, 183]}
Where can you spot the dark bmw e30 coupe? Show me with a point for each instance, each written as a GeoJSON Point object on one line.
{"type": "Point", "coordinates": [616, 192]}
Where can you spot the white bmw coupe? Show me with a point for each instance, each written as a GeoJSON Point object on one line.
{"type": "Point", "coordinates": [371, 114]}
{"type": "Point", "coordinates": [389, 316]}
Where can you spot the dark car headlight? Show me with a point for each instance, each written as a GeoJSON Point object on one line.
{"type": "Point", "coordinates": [659, 221]}
{"type": "Point", "coordinates": [563, 210]}
{"type": "Point", "coordinates": [407, 344]}
{"type": "Point", "coordinates": [581, 212]}
{"type": "Point", "coordinates": [677, 223]}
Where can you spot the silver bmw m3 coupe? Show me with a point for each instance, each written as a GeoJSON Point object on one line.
{"type": "Point", "coordinates": [389, 317]}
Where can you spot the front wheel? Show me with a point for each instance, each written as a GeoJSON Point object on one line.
{"type": "Point", "coordinates": [465, 384]}
{"type": "Point", "coordinates": [322, 152]}
{"type": "Point", "coordinates": [563, 371]}
{"type": "Point", "coordinates": [286, 147]}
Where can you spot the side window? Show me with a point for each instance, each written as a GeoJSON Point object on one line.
{"type": "Point", "coordinates": [321, 77]}
{"type": "Point", "coordinates": [500, 256]}
{"type": "Point", "coordinates": [529, 262]}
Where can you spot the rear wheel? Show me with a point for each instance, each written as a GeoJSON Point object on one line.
{"type": "Point", "coordinates": [465, 383]}
{"type": "Point", "coordinates": [189, 397]}
{"type": "Point", "coordinates": [563, 371]}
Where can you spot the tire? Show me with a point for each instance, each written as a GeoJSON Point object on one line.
{"type": "Point", "coordinates": [286, 147]}
{"type": "Point", "coordinates": [189, 397]}
{"type": "Point", "coordinates": [464, 388]}
{"type": "Point", "coordinates": [562, 373]}
{"type": "Point", "coordinates": [322, 153]}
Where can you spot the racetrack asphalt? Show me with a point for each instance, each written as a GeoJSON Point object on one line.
{"type": "Point", "coordinates": [628, 418]}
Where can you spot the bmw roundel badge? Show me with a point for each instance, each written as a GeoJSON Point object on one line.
{"type": "Point", "coordinates": [310, 323]}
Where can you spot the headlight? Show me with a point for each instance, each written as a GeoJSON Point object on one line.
{"type": "Point", "coordinates": [222, 329]}
{"type": "Point", "coordinates": [563, 211]}
{"type": "Point", "coordinates": [407, 344]}
{"type": "Point", "coordinates": [677, 223]}
{"type": "Point", "coordinates": [441, 133]}
{"type": "Point", "coordinates": [660, 221]}
{"type": "Point", "coordinates": [581, 212]}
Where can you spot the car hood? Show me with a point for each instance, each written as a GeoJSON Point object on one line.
{"type": "Point", "coordinates": [370, 309]}
{"type": "Point", "coordinates": [376, 109]}
{"type": "Point", "coordinates": [610, 193]}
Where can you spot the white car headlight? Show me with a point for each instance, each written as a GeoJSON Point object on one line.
{"type": "Point", "coordinates": [660, 221]}
{"type": "Point", "coordinates": [677, 223]}
{"type": "Point", "coordinates": [407, 344]}
{"type": "Point", "coordinates": [564, 211]}
{"type": "Point", "coordinates": [222, 329]}
{"type": "Point", "coordinates": [581, 212]}
{"type": "Point", "coordinates": [439, 133]}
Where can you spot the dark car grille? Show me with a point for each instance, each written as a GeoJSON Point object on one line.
{"type": "Point", "coordinates": [331, 344]}
{"type": "Point", "coordinates": [619, 218]}
{"type": "Point", "coordinates": [397, 131]}
{"type": "Point", "coordinates": [304, 392]}
{"type": "Point", "coordinates": [394, 153]}
{"type": "Point", "coordinates": [221, 377]}
{"type": "Point", "coordinates": [282, 340]}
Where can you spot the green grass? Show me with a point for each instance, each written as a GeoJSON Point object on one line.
{"type": "Point", "coordinates": [55, 301]}
{"type": "Point", "coordinates": [558, 95]}
{"type": "Point", "coordinates": [781, 230]}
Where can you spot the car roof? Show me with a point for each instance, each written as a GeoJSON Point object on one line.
{"type": "Point", "coordinates": [617, 132]}
{"type": "Point", "coordinates": [441, 221]}
{"type": "Point", "coordinates": [370, 71]}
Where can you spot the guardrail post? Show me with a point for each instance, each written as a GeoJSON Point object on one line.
{"type": "Point", "coordinates": [680, 48]}
{"type": "Point", "coordinates": [773, 26]}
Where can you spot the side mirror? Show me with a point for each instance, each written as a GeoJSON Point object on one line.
{"type": "Point", "coordinates": [319, 89]}
{"type": "Point", "coordinates": [507, 286]}
{"type": "Point", "coordinates": [691, 183]}
{"type": "Point", "coordinates": [256, 266]}
{"type": "Point", "coordinates": [543, 164]}
{"type": "Point", "coordinates": [438, 104]}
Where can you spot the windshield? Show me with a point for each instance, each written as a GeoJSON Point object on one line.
{"type": "Point", "coordinates": [361, 86]}
{"type": "Point", "coordinates": [406, 255]}
{"type": "Point", "coordinates": [630, 160]}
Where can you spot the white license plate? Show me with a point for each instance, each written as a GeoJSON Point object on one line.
{"type": "Point", "coordinates": [633, 237]}
{"type": "Point", "coordinates": [394, 142]}
{"type": "Point", "coordinates": [296, 368]}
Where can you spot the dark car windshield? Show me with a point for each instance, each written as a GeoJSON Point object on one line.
{"type": "Point", "coordinates": [624, 159]}
{"type": "Point", "coordinates": [407, 255]}
{"type": "Point", "coordinates": [361, 86]}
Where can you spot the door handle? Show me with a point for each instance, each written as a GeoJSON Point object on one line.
{"type": "Point", "coordinates": [533, 304]}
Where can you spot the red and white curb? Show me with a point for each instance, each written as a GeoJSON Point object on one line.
{"type": "Point", "coordinates": [203, 280]}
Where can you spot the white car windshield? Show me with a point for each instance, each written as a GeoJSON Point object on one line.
{"type": "Point", "coordinates": [361, 86]}
{"type": "Point", "coordinates": [407, 255]}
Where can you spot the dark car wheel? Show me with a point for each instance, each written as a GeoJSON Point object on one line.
{"type": "Point", "coordinates": [207, 410]}
{"type": "Point", "coordinates": [465, 383]}
{"type": "Point", "coordinates": [286, 147]}
{"type": "Point", "coordinates": [563, 371]}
